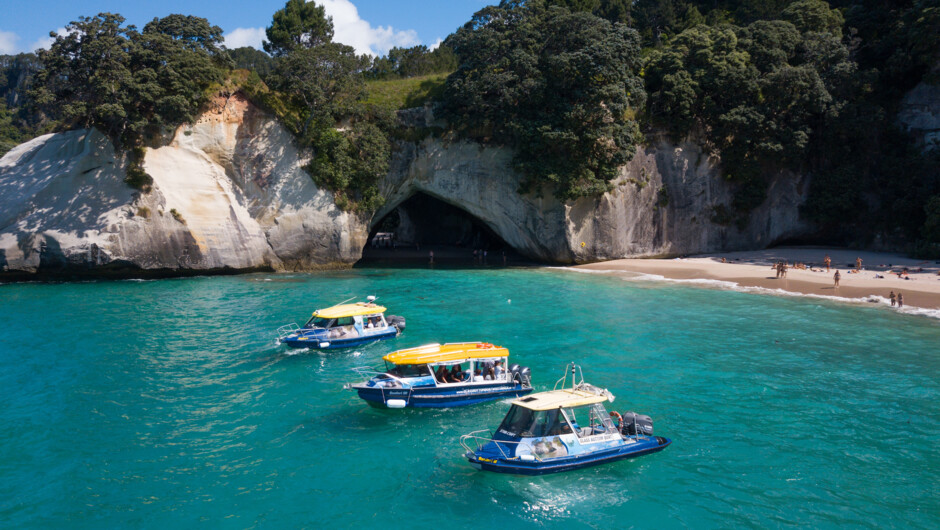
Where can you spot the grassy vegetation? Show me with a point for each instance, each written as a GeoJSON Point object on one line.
{"type": "Point", "coordinates": [395, 94]}
{"type": "Point", "coordinates": [178, 216]}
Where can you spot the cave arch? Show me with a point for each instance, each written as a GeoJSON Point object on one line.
{"type": "Point", "coordinates": [408, 231]}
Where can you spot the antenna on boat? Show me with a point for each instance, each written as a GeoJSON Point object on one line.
{"type": "Point", "coordinates": [347, 300]}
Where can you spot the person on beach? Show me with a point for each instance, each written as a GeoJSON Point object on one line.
{"type": "Point", "coordinates": [893, 299]}
{"type": "Point", "coordinates": [858, 264]}
{"type": "Point", "coordinates": [828, 262]}
{"type": "Point", "coordinates": [836, 278]}
{"type": "Point", "coordinates": [900, 300]}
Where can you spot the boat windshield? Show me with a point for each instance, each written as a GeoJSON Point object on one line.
{"type": "Point", "coordinates": [527, 423]}
{"type": "Point", "coordinates": [410, 370]}
{"type": "Point", "coordinates": [319, 322]}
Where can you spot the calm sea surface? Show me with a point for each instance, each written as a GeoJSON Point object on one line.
{"type": "Point", "coordinates": [167, 404]}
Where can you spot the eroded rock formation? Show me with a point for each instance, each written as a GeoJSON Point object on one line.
{"type": "Point", "coordinates": [229, 192]}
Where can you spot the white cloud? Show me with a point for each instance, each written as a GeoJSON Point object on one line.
{"type": "Point", "coordinates": [351, 30]}
{"type": "Point", "coordinates": [437, 43]}
{"type": "Point", "coordinates": [8, 42]}
{"type": "Point", "coordinates": [244, 37]}
{"type": "Point", "coordinates": [46, 42]}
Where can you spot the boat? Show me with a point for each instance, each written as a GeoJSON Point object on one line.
{"type": "Point", "coordinates": [443, 375]}
{"type": "Point", "coordinates": [560, 430]}
{"type": "Point", "coordinates": [343, 326]}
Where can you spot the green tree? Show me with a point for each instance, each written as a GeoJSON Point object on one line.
{"type": "Point", "coordinates": [251, 59]}
{"type": "Point", "coordinates": [558, 87]}
{"type": "Point", "coordinates": [352, 164]}
{"type": "Point", "coordinates": [815, 16]}
{"type": "Point", "coordinates": [86, 73]}
{"type": "Point", "coordinates": [322, 83]}
{"type": "Point", "coordinates": [129, 84]}
{"type": "Point", "coordinates": [298, 25]}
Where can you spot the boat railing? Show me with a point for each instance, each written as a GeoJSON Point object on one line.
{"type": "Point", "coordinates": [575, 371]}
{"type": "Point", "coordinates": [577, 383]}
{"type": "Point", "coordinates": [287, 329]}
{"type": "Point", "coordinates": [478, 440]}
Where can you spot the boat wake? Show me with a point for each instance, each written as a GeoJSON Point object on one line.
{"type": "Point", "coordinates": [734, 286]}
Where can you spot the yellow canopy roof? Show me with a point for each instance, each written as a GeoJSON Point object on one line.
{"type": "Point", "coordinates": [559, 398]}
{"type": "Point", "coordinates": [437, 353]}
{"type": "Point", "coordinates": [349, 310]}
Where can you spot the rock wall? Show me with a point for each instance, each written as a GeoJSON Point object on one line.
{"type": "Point", "coordinates": [919, 112]}
{"type": "Point", "coordinates": [229, 192]}
{"type": "Point", "coordinates": [663, 203]}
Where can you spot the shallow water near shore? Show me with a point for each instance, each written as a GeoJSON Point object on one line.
{"type": "Point", "coordinates": [167, 403]}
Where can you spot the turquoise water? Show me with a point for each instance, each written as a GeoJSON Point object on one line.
{"type": "Point", "coordinates": [167, 404]}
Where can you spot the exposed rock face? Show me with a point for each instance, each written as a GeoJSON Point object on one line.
{"type": "Point", "coordinates": [920, 112]}
{"type": "Point", "coordinates": [663, 203]}
{"type": "Point", "coordinates": [228, 192]}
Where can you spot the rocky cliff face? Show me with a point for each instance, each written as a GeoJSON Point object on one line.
{"type": "Point", "coordinates": [919, 112]}
{"type": "Point", "coordinates": [663, 204]}
{"type": "Point", "coordinates": [229, 192]}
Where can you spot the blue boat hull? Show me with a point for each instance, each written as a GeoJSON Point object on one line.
{"type": "Point", "coordinates": [436, 397]}
{"type": "Point", "coordinates": [313, 341]}
{"type": "Point", "coordinates": [555, 465]}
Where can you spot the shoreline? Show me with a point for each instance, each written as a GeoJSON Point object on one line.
{"type": "Point", "coordinates": [753, 269]}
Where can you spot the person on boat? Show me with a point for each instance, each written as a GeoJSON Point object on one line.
{"type": "Point", "coordinates": [456, 374]}
{"type": "Point", "coordinates": [497, 369]}
{"type": "Point", "coordinates": [489, 370]}
{"type": "Point", "coordinates": [441, 374]}
{"type": "Point", "coordinates": [477, 375]}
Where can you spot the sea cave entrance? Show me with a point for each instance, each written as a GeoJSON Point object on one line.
{"type": "Point", "coordinates": [422, 224]}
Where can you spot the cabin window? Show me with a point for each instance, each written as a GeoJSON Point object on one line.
{"type": "Point", "coordinates": [599, 418]}
{"type": "Point", "coordinates": [344, 321]}
{"type": "Point", "coordinates": [319, 322]}
{"type": "Point", "coordinates": [528, 423]}
{"type": "Point", "coordinates": [373, 321]}
{"type": "Point", "coordinates": [410, 370]}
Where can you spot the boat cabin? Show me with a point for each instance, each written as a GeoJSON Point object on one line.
{"type": "Point", "coordinates": [342, 326]}
{"type": "Point", "coordinates": [349, 326]}
{"type": "Point", "coordinates": [565, 428]}
{"type": "Point", "coordinates": [465, 363]}
{"type": "Point", "coordinates": [443, 375]}
{"type": "Point", "coordinates": [547, 414]}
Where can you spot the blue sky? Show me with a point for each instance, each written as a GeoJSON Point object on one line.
{"type": "Point", "coordinates": [370, 26]}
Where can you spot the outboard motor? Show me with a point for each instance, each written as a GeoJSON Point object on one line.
{"type": "Point", "coordinates": [397, 322]}
{"type": "Point", "coordinates": [525, 376]}
{"type": "Point", "coordinates": [513, 368]}
{"type": "Point", "coordinates": [634, 423]}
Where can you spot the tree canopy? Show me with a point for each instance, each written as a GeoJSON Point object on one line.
{"type": "Point", "coordinates": [559, 87]}
{"type": "Point", "coordinates": [102, 74]}
{"type": "Point", "coordinates": [300, 24]}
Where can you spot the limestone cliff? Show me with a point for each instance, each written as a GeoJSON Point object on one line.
{"type": "Point", "coordinates": [663, 203]}
{"type": "Point", "coordinates": [229, 192]}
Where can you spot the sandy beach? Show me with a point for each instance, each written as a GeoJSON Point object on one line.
{"type": "Point", "coordinates": [876, 280]}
